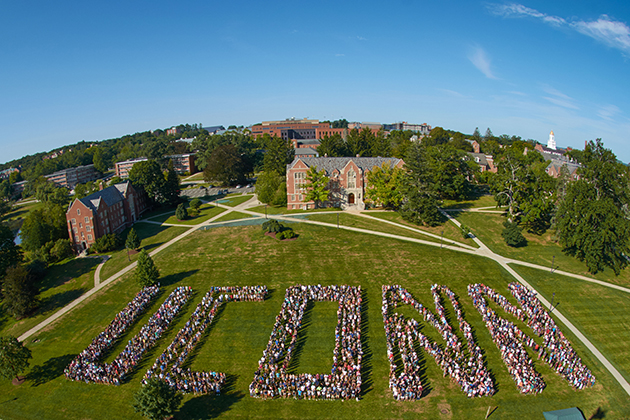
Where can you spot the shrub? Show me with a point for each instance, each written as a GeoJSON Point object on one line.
{"type": "Point", "coordinates": [181, 212]}
{"type": "Point", "coordinates": [61, 250]}
{"type": "Point", "coordinates": [147, 274]}
{"type": "Point", "coordinates": [465, 231]}
{"type": "Point", "coordinates": [272, 226]}
{"type": "Point", "coordinates": [107, 243]}
{"type": "Point", "coordinates": [512, 235]}
{"type": "Point", "coordinates": [195, 203]}
{"type": "Point", "coordinates": [286, 234]}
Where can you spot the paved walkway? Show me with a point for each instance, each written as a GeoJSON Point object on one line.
{"type": "Point", "coordinates": [483, 251]}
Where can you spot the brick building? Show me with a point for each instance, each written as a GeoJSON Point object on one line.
{"type": "Point", "coordinates": [348, 177]}
{"type": "Point", "coordinates": [70, 177]}
{"type": "Point", "coordinates": [110, 210]}
{"type": "Point", "coordinates": [293, 129]}
{"type": "Point", "coordinates": [181, 163]}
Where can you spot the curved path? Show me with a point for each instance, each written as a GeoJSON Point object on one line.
{"type": "Point", "coordinates": [482, 251]}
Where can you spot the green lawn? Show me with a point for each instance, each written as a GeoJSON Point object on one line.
{"type": "Point", "coordinates": [234, 344]}
{"type": "Point", "coordinates": [539, 250]}
{"type": "Point", "coordinates": [447, 229]}
{"type": "Point", "coordinates": [235, 200]}
{"type": "Point", "coordinates": [16, 216]}
{"type": "Point", "coordinates": [64, 282]}
{"type": "Point", "coordinates": [481, 201]}
{"type": "Point", "coordinates": [151, 235]}
{"type": "Point", "coordinates": [233, 215]}
{"type": "Point", "coordinates": [601, 313]}
{"type": "Point", "coordinates": [351, 220]}
{"type": "Point", "coordinates": [284, 210]}
{"type": "Point", "coordinates": [196, 177]}
{"type": "Point", "coordinates": [207, 211]}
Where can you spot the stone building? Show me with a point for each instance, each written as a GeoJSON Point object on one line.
{"type": "Point", "coordinates": [348, 177]}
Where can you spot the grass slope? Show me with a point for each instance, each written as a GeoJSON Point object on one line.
{"type": "Point", "coordinates": [243, 256]}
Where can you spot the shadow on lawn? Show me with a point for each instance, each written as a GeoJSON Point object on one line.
{"type": "Point", "coordinates": [175, 278]}
{"type": "Point", "coordinates": [59, 300]}
{"type": "Point", "coordinates": [366, 362]}
{"type": "Point", "coordinates": [67, 271]}
{"type": "Point", "coordinates": [302, 335]}
{"type": "Point", "coordinates": [211, 406]}
{"type": "Point", "coordinates": [51, 369]}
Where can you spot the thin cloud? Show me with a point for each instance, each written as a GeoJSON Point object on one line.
{"type": "Point", "coordinates": [453, 93]}
{"type": "Point", "coordinates": [612, 33]}
{"type": "Point", "coordinates": [607, 112]}
{"type": "Point", "coordinates": [556, 92]}
{"type": "Point", "coordinates": [561, 102]}
{"type": "Point", "coordinates": [516, 92]}
{"type": "Point", "coordinates": [360, 38]}
{"type": "Point", "coordinates": [340, 55]}
{"type": "Point", "coordinates": [478, 57]}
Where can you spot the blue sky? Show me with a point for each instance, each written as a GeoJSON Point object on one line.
{"type": "Point", "coordinates": [72, 71]}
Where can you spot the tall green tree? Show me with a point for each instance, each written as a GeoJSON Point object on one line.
{"type": "Point", "coordinates": [132, 241]}
{"type": "Point", "coordinates": [278, 154]}
{"type": "Point", "coordinates": [147, 274]}
{"type": "Point", "coordinates": [592, 220]}
{"type": "Point", "coordinates": [20, 292]}
{"type": "Point", "coordinates": [381, 145]}
{"type": "Point", "coordinates": [10, 253]}
{"type": "Point", "coordinates": [171, 188]}
{"type": "Point", "coordinates": [148, 176]}
{"type": "Point", "coordinates": [384, 186]}
{"type": "Point", "coordinates": [181, 213]}
{"type": "Point", "coordinates": [271, 188]}
{"type": "Point", "coordinates": [450, 172]}
{"type": "Point", "coordinates": [42, 226]}
{"type": "Point", "coordinates": [359, 141]}
{"type": "Point", "coordinates": [332, 146]}
{"type": "Point", "coordinates": [226, 166]}
{"type": "Point", "coordinates": [317, 186]}
{"type": "Point", "coordinates": [14, 357]}
{"type": "Point", "coordinates": [420, 204]}
{"type": "Point", "coordinates": [156, 400]}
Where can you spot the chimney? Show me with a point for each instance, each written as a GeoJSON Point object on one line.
{"type": "Point", "coordinates": [358, 155]}
{"type": "Point", "coordinates": [100, 186]}
{"type": "Point", "coordinates": [525, 152]}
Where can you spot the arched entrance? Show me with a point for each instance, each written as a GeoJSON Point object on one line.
{"type": "Point", "coordinates": [351, 198]}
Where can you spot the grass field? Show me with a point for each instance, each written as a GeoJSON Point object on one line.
{"type": "Point", "coordinates": [448, 230]}
{"type": "Point", "coordinates": [233, 215]}
{"type": "Point", "coordinates": [234, 200]}
{"type": "Point", "coordinates": [243, 256]}
{"type": "Point", "coordinates": [284, 210]}
{"type": "Point", "coordinates": [539, 250]}
{"type": "Point", "coordinates": [206, 211]}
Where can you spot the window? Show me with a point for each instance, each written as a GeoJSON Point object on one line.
{"type": "Point", "coordinates": [293, 197]}
{"type": "Point", "coordinates": [352, 179]}
{"type": "Point", "coordinates": [89, 237]}
{"type": "Point", "coordinates": [76, 239]}
{"type": "Point", "coordinates": [80, 225]}
{"type": "Point", "coordinates": [74, 221]}
{"type": "Point", "coordinates": [88, 228]}
{"type": "Point", "coordinates": [74, 229]}
{"type": "Point", "coordinates": [79, 212]}
{"type": "Point", "coordinates": [87, 220]}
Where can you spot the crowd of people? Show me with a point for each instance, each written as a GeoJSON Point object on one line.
{"type": "Point", "coordinates": [469, 372]}
{"type": "Point", "coordinates": [344, 382]}
{"type": "Point", "coordinates": [556, 349]}
{"type": "Point", "coordinates": [168, 365]}
{"type": "Point", "coordinates": [85, 366]}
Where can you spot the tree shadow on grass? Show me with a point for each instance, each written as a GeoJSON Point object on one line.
{"type": "Point", "coordinates": [175, 278]}
{"type": "Point", "coordinates": [366, 361]}
{"type": "Point", "coordinates": [59, 300]}
{"type": "Point", "coordinates": [49, 370]}
{"type": "Point", "coordinates": [69, 270]}
{"type": "Point", "coordinates": [599, 414]}
{"type": "Point", "coordinates": [211, 406]}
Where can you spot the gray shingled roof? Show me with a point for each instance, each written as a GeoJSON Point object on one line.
{"type": "Point", "coordinates": [111, 195]}
{"type": "Point", "coordinates": [305, 151]}
{"type": "Point", "coordinates": [338, 163]}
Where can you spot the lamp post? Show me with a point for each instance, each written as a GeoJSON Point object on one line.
{"type": "Point", "coordinates": [553, 260]}
{"type": "Point", "coordinates": [553, 296]}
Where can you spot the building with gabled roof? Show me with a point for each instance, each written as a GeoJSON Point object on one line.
{"type": "Point", "coordinates": [110, 210]}
{"type": "Point", "coordinates": [348, 178]}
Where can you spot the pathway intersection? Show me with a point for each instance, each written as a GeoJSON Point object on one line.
{"type": "Point", "coordinates": [482, 251]}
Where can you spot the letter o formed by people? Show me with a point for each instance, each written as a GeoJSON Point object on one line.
{"type": "Point", "coordinates": [344, 381]}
